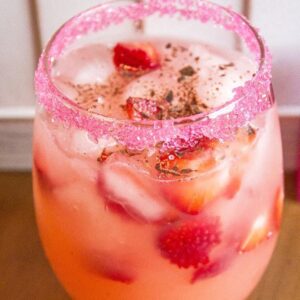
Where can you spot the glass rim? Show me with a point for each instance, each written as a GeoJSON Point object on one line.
{"type": "Point", "coordinates": [256, 45]}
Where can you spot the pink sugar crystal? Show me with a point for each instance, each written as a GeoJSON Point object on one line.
{"type": "Point", "coordinates": [220, 123]}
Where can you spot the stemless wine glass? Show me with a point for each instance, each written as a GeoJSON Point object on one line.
{"type": "Point", "coordinates": [178, 208]}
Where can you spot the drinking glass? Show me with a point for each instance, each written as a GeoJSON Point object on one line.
{"type": "Point", "coordinates": [179, 208]}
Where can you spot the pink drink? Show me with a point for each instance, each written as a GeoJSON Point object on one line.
{"type": "Point", "coordinates": [137, 194]}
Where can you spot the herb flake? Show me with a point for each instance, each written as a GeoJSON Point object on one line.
{"type": "Point", "coordinates": [187, 71]}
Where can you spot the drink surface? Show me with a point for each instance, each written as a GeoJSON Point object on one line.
{"type": "Point", "coordinates": [200, 221]}
{"type": "Point", "coordinates": [191, 77]}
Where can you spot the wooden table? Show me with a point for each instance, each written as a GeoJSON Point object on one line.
{"type": "Point", "coordinates": [25, 273]}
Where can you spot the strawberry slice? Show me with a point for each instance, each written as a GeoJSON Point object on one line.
{"type": "Point", "coordinates": [259, 232]}
{"type": "Point", "coordinates": [135, 57]}
{"type": "Point", "coordinates": [126, 190]}
{"type": "Point", "coordinates": [143, 109]}
{"type": "Point", "coordinates": [188, 243]}
{"type": "Point", "coordinates": [202, 143]}
{"type": "Point", "coordinates": [278, 207]}
{"type": "Point", "coordinates": [187, 162]}
{"type": "Point", "coordinates": [190, 196]}
{"type": "Point", "coordinates": [264, 226]}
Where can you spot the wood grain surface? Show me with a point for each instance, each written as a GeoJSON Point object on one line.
{"type": "Point", "coordinates": [25, 273]}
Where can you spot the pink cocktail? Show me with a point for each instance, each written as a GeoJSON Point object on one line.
{"type": "Point", "coordinates": [157, 160]}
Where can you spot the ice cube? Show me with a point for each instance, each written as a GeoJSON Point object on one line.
{"type": "Point", "coordinates": [83, 144]}
{"type": "Point", "coordinates": [123, 185]}
{"type": "Point", "coordinates": [76, 142]}
{"type": "Point", "coordinates": [85, 65]}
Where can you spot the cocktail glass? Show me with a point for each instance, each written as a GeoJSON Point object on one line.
{"type": "Point", "coordinates": [182, 208]}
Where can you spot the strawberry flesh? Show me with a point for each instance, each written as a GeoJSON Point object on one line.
{"type": "Point", "coordinates": [143, 109]}
{"type": "Point", "coordinates": [278, 207]}
{"type": "Point", "coordinates": [182, 160]}
{"type": "Point", "coordinates": [188, 244]}
{"type": "Point", "coordinates": [264, 226]}
{"type": "Point", "coordinates": [191, 196]}
{"type": "Point", "coordinates": [260, 231]}
{"type": "Point", "coordinates": [135, 57]}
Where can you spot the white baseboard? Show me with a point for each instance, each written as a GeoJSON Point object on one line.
{"type": "Point", "coordinates": [15, 144]}
{"type": "Point", "coordinates": [16, 137]}
{"type": "Point", "coordinates": [22, 113]}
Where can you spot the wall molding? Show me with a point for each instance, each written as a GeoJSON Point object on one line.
{"type": "Point", "coordinates": [27, 112]}
{"type": "Point", "coordinates": [17, 113]}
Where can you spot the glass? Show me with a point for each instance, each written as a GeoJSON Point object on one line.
{"type": "Point", "coordinates": [178, 208]}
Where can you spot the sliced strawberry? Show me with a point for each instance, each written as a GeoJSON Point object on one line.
{"type": "Point", "coordinates": [197, 157]}
{"type": "Point", "coordinates": [278, 207]}
{"type": "Point", "coordinates": [126, 189]}
{"type": "Point", "coordinates": [104, 156]}
{"type": "Point", "coordinates": [260, 231]}
{"type": "Point", "coordinates": [108, 151]}
{"type": "Point", "coordinates": [202, 143]}
{"type": "Point", "coordinates": [190, 196]}
{"type": "Point", "coordinates": [143, 109]}
{"type": "Point", "coordinates": [187, 162]}
{"type": "Point", "coordinates": [265, 225]}
{"type": "Point", "coordinates": [135, 57]}
{"type": "Point", "coordinates": [188, 243]}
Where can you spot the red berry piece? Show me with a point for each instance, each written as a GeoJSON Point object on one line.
{"type": "Point", "coordinates": [188, 244]}
{"type": "Point", "coordinates": [278, 207]}
{"type": "Point", "coordinates": [193, 195]}
{"type": "Point", "coordinates": [135, 57]}
{"type": "Point", "coordinates": [259, 232]}
{"type": "Point", "coordinates": [202, 143]}
{"type": "Point", "coordinates": [143, 109]}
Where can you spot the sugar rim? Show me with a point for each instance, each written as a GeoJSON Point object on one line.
{"type": "Point", "coordinates": [220, 122]}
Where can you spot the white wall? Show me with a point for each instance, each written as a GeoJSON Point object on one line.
{"type": "Point", "coordinates": [26, 26]}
